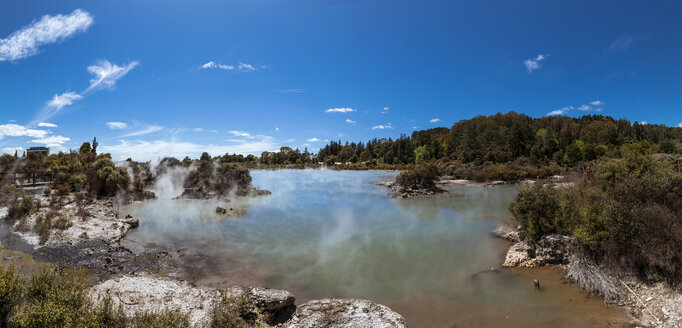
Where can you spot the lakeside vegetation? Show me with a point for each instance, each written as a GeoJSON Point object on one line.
{"type": "Point", "coordinates": [625, 214]}
{"type": "Point", "coordinates": [56, 297]}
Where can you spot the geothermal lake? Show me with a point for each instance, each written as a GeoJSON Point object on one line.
{"type": "Point", "coordinates": [324, 234]}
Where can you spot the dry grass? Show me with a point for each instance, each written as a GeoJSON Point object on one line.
{"type": "Point", "coordinates": [593, 278]}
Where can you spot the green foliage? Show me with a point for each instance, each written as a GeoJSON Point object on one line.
{"type": "Point", "coordinates": [19, 208]}
{"type": "Point", "coordinates": [85, 148]}
{"type": "Point", "coordinates": [234, 312]}
{"type": "Point", "coordinates": [78, 182]}
{"type": "Point", "coordinates": [63, 223]}
{"type": "Point", "coordinates": [11, 290]}
{"type": "Point", "coordinates": [629, 215]}
{"type": "Point", "coordinates": [221, 178]}
{"type": "Point", "coordinates": [42, 227]}
{"type": "Point", "coordinates": [421, 176]}
{"type": "Point", "coordinates": [162, 319]}
{"type": "Point", "coordinates": [112, 179]}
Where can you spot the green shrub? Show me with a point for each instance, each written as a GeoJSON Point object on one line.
{"type": "Point", "coordinates": [112, 179]}
{"type": "Point", "coordinates": [11, 290]}
{"type": "Point", "coordinates": [54, 298]}
{"type": "Point", "coordinates": [20, 208]}
{"type": "Point", "coordinates": [163, 319]}
{"type": "Point", "coordinates": [421, 176]}
{"type": "Point", "coordinates": [234, 312]}
{"type": "Point", "coordinates": [63, 223]}
{"type": "Point", "coordinates": [537, 209]}
{"type": "Point", "coordinates": [78, 182]}
{"type": "Point", "coordinates": [47, 191]}
{"type": "Point", "coordinates": [42, 227]}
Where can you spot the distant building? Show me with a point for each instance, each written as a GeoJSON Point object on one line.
{"type": "Point", "coordinates": [38, 150]}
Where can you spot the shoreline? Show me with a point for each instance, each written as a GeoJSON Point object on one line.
{"type": "Point", "coordinates": [140, 281]}
{"type": "Point", "coordinates": [655, 305]}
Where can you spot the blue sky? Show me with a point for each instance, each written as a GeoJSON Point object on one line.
{"type": "Point", "coordinates": [179, 77]}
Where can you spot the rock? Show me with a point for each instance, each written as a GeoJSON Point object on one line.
{"type": "Point", "coordinates": [131, 221]}
{"type": "Point", "coordinates": [507, 231]}
{"type": "Point", "coordinates": [220, 210]}
{"type": "Point", "coordinates": [550, 249]}
{"type": "Point", "coordinates": [277, 305]}
{"type": "Point", "coordinates": [340, 313]}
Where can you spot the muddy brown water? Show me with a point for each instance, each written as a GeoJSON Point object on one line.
{"type": "Point", "coordinates": [335, 234]}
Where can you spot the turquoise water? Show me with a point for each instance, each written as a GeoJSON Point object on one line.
{"type": "Point", "coordinates": [336, 234]}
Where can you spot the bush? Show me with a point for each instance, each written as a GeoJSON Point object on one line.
{"type": "Point", "coordinates": [234, 312]}
{"type": "Point", "coordinates": [78, 182]}
{"type": "Point", "coordinates": [63, 223]}
{"type": "Point", "coordinates": [112, 179]}
{"type": "Point", "coordinates": [627, 218]}
{"type": "Point", "coordinates": [163, 319]}
{"type": "Point", "coordinates": [421, 176]}
{"type": "Point", "coordinates": [537, 209]}
{"type": "Point", "coordinates": [20, 208]}
{"type": "Point", "coordinates": [11, 290]}
{"type": "Point", "coordinates": [54, 298]}
{"type": "Point", "coordinates": [42, 227]}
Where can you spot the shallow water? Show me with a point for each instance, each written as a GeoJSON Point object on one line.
{"type": "Point", "coordinates": [335, 234]}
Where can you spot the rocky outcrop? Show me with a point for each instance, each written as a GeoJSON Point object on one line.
{"type": "Point", "coordinates": [550, 249]}
{"type": "Point", "coordinates": [398, 191]}
{"type": "Point", "coordinates": [508, 231]}
{"type": "Point", "coordinates": [345, 313]}
{"type": "Point", "coordinates": [145, 292]}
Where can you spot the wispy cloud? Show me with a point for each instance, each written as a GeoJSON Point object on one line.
{"type": "Point", "coordinates": [197, 129]}
{"type": "Point", "coordinates": [146, 130]}
{"type": "Point", "coordinates": [534, 63]}
{"type": "Point", "coordinates": [240, 134]}
{"type": "Point", "coordinates": [313, 140]}
{"type": "Point", "coordinates": [106, 74]}
{"type": "Point", "coordinates": [679, 125]}
{"type": "Point", "coordinates": [295, 90]}
{"type": "Point", "coordinates": [65, 99]}
{"type": "Point", "coordinates": [434, 120]}
{"type": "Point", "coordinates": [596, 106]}
{"type": "Point", "coordinates": [340, 110]}
{"type": "Point", "coordinates": [212, 64]}
{"type": "Point", "coordinates": [117, 125]}
{"type": "Point", "coordinates": [349, 121]}
{"type": "Point", "coordinates": [386, 108]}
{"type": "Point", "coordinates": [623, 43]}
{"type": "Point", "coordinates": [26, 42]}
{"type": "Point", "coordinates": [382, 127]}
{"type": "Point", "coordinates": [244, 67]}
{"type": "Point", "coordinates": [241, 66]}
{"type": "Point", "coordinates": [47, 125]}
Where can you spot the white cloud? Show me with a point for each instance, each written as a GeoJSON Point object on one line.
{"type": "Point", "coordinates": [584, 108]}
{"type": "Point", "coordinates": [106, 74]}
{"type": "Point", "coordinates": [434, 120]}
{"type": "Point", "coordinates": [313, 140]}
{"type": "Point", "coordinates": [679, 125]}
{"type": "Point", "coordinates": [65, 99]}
{"type": "Point", "coordinates": [387, 108]}
{"type": "Point", "coordinates": [213, 131]}
{"type": "Point", "coordinates": [117, 125]}
{"type": "Point", "coordinates": [382, 127]}
{"type": "Point", "coordinates": [244, 67]}
{"type": "Point", "coordinates": [47, 125]}
{"type": "Point", "coordinates": [11, 150]}
{"type": "Point", "coordinates": [149, 150]}
{"type": "Point", "coordinates": [16, 130]}
{"type": "Point", "coordinates": [623, 43]}
{"type": "Point", "coordinates": [349, 121]}
{"type": "Point", "coordinates": [212, 64]}
{"type": "Point", "coordinates": [534, 63]}
{"type": "Point", "coordinates": [240, 134]}
{"type": "Point", "coordinates": [147, 130]}
{"type": "Point", "coordinates": [26, 42]}
{"type": "Point", "coordinates": [52, 141]}
{"type": "Point", "coordinates": [340, 110]}
{"type": "Point", "coordinates": [644, 123]}
{"type": "Point", "coordinates": [197, 129]}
